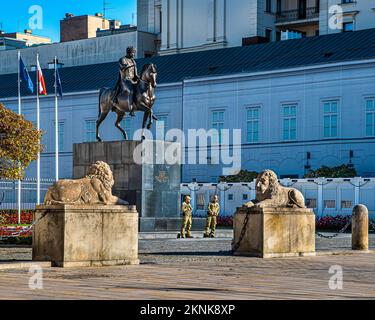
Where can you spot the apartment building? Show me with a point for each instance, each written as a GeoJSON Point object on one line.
{"type": "Point", "coordinates": [27, 37]}
{"type": "Point", "coordinates": [81, 27]}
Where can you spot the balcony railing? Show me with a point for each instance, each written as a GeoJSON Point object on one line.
{"type": "Point", "coordinates": [295, 15]}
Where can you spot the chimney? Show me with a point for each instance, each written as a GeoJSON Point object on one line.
{"type": "Point", "coordinates": [98, 14]}
{"type": "Point", "coordinates": [68, 15]}
{"type": "Point", "coordinates": [28, 31]}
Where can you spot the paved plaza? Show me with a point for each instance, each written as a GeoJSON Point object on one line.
{"type": "Point", "coordinates": [200, 269]}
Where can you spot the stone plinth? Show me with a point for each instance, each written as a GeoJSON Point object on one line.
{"type": "Point", "coordinates": [275, 232]}
{"type": "Point", "coordinates": [153, 186]}
{"type": "Point", "coordinates": [86, 235]}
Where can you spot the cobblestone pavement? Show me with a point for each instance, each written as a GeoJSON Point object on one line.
{"type": "Point", "coordinates": [189, 269]}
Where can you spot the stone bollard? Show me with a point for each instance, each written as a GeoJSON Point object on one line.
{"type": "Point", "coordinates": [360, 228]}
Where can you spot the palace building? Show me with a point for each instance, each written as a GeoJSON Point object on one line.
{"type": "Point", "coordinates": [300, 104]}
{"type": "Point", "coordinates": [196, 25]}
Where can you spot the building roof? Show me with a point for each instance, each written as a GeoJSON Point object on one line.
{"type": "Point", "coordinates": [320, 50]}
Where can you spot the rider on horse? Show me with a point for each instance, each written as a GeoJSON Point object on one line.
{"type": "Point", "coordinates": [127, 78]}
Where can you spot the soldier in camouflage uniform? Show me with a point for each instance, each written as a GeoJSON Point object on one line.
{"type": "Point", "coordinates": [187, 211]}
{"type": "Point", "coordinates": [213, 211]}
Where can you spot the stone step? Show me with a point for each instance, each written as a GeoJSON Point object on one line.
{"type": "Point", "coordinates": [220, 234]}
{"type": "Point", "coordinates": [6, 265]}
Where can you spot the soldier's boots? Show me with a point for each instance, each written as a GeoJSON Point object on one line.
{"type": "Point", "coordinates": [181, 236]}
{"type": "Point", "coordinates": [206, 235]}
{"type": "Point", "coordinates": [212, 236]}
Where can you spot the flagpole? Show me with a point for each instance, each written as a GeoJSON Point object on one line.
{"type": "Point", "coordinates": [56, 126]}
{"type": "Point", "coordinates": [19, 112]}
{"type": "Point", "coordinates": [38, 127]}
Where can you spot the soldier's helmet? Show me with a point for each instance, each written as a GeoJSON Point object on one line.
{"type": "Point", "coordinates": [130, 49]}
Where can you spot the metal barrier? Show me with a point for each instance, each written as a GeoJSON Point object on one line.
{"type": "Point", "coordinates": [9, 189]}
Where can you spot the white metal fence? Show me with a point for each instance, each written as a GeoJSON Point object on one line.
{"type": "Point", "coordinates": [324, 196]}
{"type": "Point", "coordinates": [9, 193]}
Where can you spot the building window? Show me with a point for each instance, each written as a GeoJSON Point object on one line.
{"type": "Point", "coordinates": [245, 197]}
{"type": "Point", "coordinates": [347, 26]}
{"type": "Point", "coordinates": [217, 124]}
{"type": "Point", "coordinates": [278, 35]}
{"type": "Point", "coordinates": [161, 126]}
{"type": "Point", "coordinates": [278, 7]}
{"type": "Point", "coordinates": [370, 117]}
{"type": "Point", "coordinates": [269, 35]}
{"type": "Point", "coordinates": [200, 201]}
{"type": "Point", "coordinates": [230, 196]}
{"type": "Point", "coordinates": [126, 124]}
{"type": "Point", "coordinates": [330, 119]}
{"type": "Point", "coordinates": [268, 6]}
{"type": "Point", "coordinates": [330, 204]}
{"type": "Point", "coordinates": [61, 136]}
{"type": "Point", "coordinates": [289, 122]}
{"type": "Point", "coordinates": [161, 21]}
{"type": "Point", "coordinates": [311, 203]}
{"type": "Point", "coordinates": [346, 204]}
{"type": "Point", "coordinates": [90, 130]}
{"type": "Point", "coordinates": [253, 125]}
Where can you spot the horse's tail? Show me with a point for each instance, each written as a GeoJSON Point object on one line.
{"type": "Point", "coordinates": [100, 97]}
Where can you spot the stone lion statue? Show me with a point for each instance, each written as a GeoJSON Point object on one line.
{"type": "Point", "coordinates": [269, 193]}
{"type": "Point", "coordinates": [94, 188]}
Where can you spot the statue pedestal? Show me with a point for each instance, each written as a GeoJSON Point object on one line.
{"type": "Point", "coordinates": [153, 186]}
{"type": "Point", "coordinates": [275, 232]}
{"type": "Point", "coordinates": [86, 235]}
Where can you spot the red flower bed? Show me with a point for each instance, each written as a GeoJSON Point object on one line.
{"type": "Point", "coordinates": [8, 217]}
{"type": "Point", "coordinates": [225, 221]}
{"type": "Point", "coordinates": [332, 222]}
{"type": "Point", "coordinates": [15, 231]}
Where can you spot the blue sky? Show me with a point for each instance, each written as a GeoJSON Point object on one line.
{"type": "Point", "coordinates": [14, 15]}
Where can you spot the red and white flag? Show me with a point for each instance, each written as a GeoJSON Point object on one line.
{"type": "Point", "coordinates": [41, 82]}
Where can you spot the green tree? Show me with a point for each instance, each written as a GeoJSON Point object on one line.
{"type": "Point", "coordinates": [242, 176]}
{"type": "Point", "coordinates": [19, 144]}
{"type": "Point", "coordinates": [343, 171]}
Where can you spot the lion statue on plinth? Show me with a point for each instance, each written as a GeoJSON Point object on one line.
{"type": "Point", "coordinates": [269, 193]}
{"type": "Point", "coordinates": [94, 188]}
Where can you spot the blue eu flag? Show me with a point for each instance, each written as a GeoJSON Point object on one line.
{"type": "Point", "coordinates": [58, 82]}
{"type": "Point", "coordinates": [24, 75]}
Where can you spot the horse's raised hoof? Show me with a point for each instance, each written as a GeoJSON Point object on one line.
{"type": "Point", "coordinates": [155, 117]}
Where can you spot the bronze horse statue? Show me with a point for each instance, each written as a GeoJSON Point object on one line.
{"type": "Point", "coordinates": [143, 99]}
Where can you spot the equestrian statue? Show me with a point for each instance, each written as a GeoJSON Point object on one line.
{"type": "Point", "coordinates": [131, 94]}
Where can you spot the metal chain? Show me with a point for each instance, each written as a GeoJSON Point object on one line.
{"type": "Point", "coordinates": [342, 230]}
{"type": "Point", "coordinates": [225, 189]}
{"type": "Point", "coordinates": [372, 225]}
{"type": "Point", "coordinates": [17, 234]}
{"type": "Point", "coordinates": [243, 231]}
